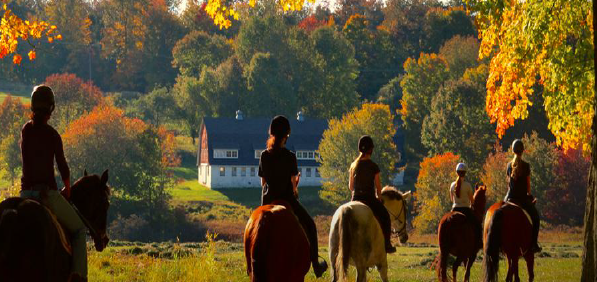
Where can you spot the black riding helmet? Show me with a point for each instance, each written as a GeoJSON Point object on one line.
{"type": "Point", "coordinates": [42, 100]}
{"type": "Point", "coordinates": [517, 146]}
{"type": "Point", "coordinates": [279, 127]}
{"type": "Point", "coordinates": [365, 144]}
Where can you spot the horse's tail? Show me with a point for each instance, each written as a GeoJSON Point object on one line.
{"type": "Point", "coordinates": [344, 243]}
{"type": "Point", "coordinates": [491, 257]}
{"type": "Point", "coordinates": [441, 261]}
{"type": "Point", "coordinates": [8, 223]}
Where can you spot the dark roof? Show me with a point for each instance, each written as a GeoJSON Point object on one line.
{"type": "Point", "coordinates": [251, 134]}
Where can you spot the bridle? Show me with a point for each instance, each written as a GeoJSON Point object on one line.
{"type": "Point", "coordinates": [397, 217]}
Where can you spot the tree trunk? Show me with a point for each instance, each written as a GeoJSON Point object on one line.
{"type": "Point", "coordinates": [589, 264]}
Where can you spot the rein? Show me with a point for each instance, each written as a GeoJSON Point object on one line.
{"type": "Point", "coordinates": [397, 217]}
{"type": "Point", "coordinates": [85, 221]}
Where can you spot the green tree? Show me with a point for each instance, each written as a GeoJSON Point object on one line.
{"type": "Point", "coordinates": [461, 53]}
{"type": "Point", "coordinates": [338, 71]}
{"type": "Point", "coordinates": [156, 107]}
{"type": "Point", "coordinates": [10, 156]}
{"type": "Point", "coordinates": [421, 82]}
{"type": "Point", "coordinates": [379, 59]}
{"type": "Point", "coordinates": [458, 123]}
{"type": "Point", "coordinates": [338, 148]}
{"type": "Point", "coordinates": [391, 93]}
{"type": "Point", "coordinates": [442, 24]}
{"type": "Point", "coordinates": [198, 49]}
{"type": "Point", "coordinates": [433, 191]}
{"type": "Point", "coordinates": [192, 106]}
{"type": "Point", "coordinates": [494, 174]}
{"type": "Point", "coordinates": [13, 114]}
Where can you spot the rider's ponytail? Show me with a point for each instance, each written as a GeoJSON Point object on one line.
{"type": "Point", "coordinates": [274, 142]}
{"type": "Point", "coordinates": [516, 169]}
{"type": "Point", "coordinates": [459, 180]}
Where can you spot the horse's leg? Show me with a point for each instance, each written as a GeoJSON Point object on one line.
{"type": "Point", "coordinates": [383, 270]}
{"type": "Point", "coordinates": [469, 265]}
{"type": "Point", "coordinates": [530, 259]}
{"type": "Point", "coordinates": [361, 274]}
{"type": "Point", "coordinates": [515, 270]}
{"type": "Point", "coordinates": [510, 269]}
{"type": "Point", "coordinates": [455, 266]}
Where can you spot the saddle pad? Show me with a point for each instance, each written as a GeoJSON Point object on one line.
{"type": "Point", "coordinates": [61, 233]}
{"type": "Point", "coordinates": [523, 210]}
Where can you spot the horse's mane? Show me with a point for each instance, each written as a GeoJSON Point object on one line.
{"type": "Point", "coordinates": [392, 193]}
{"type": "Point", "coordinates": [88, 182]}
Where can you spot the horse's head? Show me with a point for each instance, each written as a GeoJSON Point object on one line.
{"type": "Point", "coordinates": [91, 195]}
{"type": "Point", "coordinates": [480, 199]}
{"type": "Point", "coordinates": [396, 204]}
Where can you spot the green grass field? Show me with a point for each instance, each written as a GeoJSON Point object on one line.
{"type": "Point", "coordinates": [222, 261]}
{"type": "Point", "coordinates": [24, 97]}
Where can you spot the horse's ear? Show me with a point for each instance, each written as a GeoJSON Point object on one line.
{"type": "Point", "coordinates": [105, 177]}
{"type": "Point", "coordinates": [85, 172]}
{"type": "Point", "coordinates": [406, 196]}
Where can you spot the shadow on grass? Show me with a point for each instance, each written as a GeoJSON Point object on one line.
{"type": "Point", "coordinates": [308, 196]}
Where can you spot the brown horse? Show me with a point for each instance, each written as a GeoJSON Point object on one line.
{"type": "Point", "coordinates": [457, 237]}
{"type": "Point", "coordinates": [513, 239]}
{"type": "Point", "coordinates": [33, 246]}
{"type": "Point", "coordinates": [276, 247]}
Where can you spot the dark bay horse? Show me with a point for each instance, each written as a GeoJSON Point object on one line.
{"type": "Point", "coordinates": [33, 246]}
{"type": "Point", "coordinates": [457, 237]}
{"type": "Point", "coordinates": [507, 229]}
{"type": "Point", "coordinates": [276, 247]}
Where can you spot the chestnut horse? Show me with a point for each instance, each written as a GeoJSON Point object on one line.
{"type": "Point", "coordinates": [507, 229]}
{"type": "Point", "coordinates": [276, 246]}
{"type": "Point", "coordinates": [457, 237]}
{"type": "Point", "coordinates": [356, 237]}
{"type": "Point", "coordinates": [33, 246]}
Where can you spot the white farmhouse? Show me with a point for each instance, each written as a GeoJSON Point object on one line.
{"type": "Point", "coordinates": [229, 150]}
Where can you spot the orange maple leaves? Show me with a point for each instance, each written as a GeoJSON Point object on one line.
{"type": "Point", "coordinates": [13, 29]}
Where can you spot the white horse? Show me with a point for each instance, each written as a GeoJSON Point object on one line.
{"type": "Point", "coordinates": [356, 236]}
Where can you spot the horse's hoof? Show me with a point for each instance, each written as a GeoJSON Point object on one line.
{"type": "Point", "coordinates": [391, 250]}
{"type": "Point", "coordinates": [320, 267]}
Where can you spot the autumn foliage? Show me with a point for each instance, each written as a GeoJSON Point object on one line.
{"type": "Point", "coordinates": [136, 153]}
{"type": "Point", "coordinates": [14, 30]}
{"type": "Point", "coordinates": [433, 190]}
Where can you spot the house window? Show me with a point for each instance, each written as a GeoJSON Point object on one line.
{"type": "Point", "coordinates": [243, 171]}
{"type": "Point", "coordinates": [233, 171]}
{"type": "Point", "coordinates": [225, 154]}
{"type": "Point", "coordinates": [308, 172]}
{"type": "Point", "coordinates": [306, 155]}
{"type": "Point", "coordinates": [252, 171]}
{"type": "Point", "coordinates": [222, 171]}
{"type": "Point", "coordinates": [258, 154]}
{"type": "Point", "coordinates": [317, 172]}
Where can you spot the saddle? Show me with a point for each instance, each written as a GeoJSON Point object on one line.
{"type": "Point", "coordinates": [62, 234]}
{"type": "Point", "coordinates": [528, 216]}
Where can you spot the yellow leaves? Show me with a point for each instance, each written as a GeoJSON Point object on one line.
{"type": "Point", "coordinates": [31, 55]}
{"type": "Point", "coordinates": [540, 43]}
{"type": "Point", "coordinates": [13, 29]}
{"type": "Point", "coordinates": [222, 12]}
{"type": "Point", "coordinates": [16, 59]}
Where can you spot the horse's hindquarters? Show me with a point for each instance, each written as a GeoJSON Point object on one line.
{"type": "Point", "coordinates": [276, 246]}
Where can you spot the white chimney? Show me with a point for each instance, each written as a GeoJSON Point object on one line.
{"type": "Point", "coordinates": [239, 115]}
{"type": "Point", "coordinates": [299, 116]}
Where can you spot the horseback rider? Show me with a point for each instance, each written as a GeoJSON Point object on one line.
{"type": "Point", "coordinates": [519, 189]}
{"type": "Point", "coordinates": [279, 174]}
{"type": "Point", "coordinates": [40, 145]}
{"type": "Point", "coordinates": [365, 186]}
{"type": "Point", "coordinates": [461, 194]}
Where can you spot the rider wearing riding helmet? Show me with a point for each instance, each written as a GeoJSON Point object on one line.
{"type": "Point", "coordinates": [40, 145]}
{"type": "Point", "coordinates": [461, 194]}
{"type": "Point", "coordinates": [519, 188]}
{"type": "Point", "coordinates": [279, 181]}
{"type": "Point", "coordinates": [365, 186]}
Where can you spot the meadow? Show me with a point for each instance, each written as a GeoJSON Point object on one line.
{"type": "Point", "coordinates": [224, 261]}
